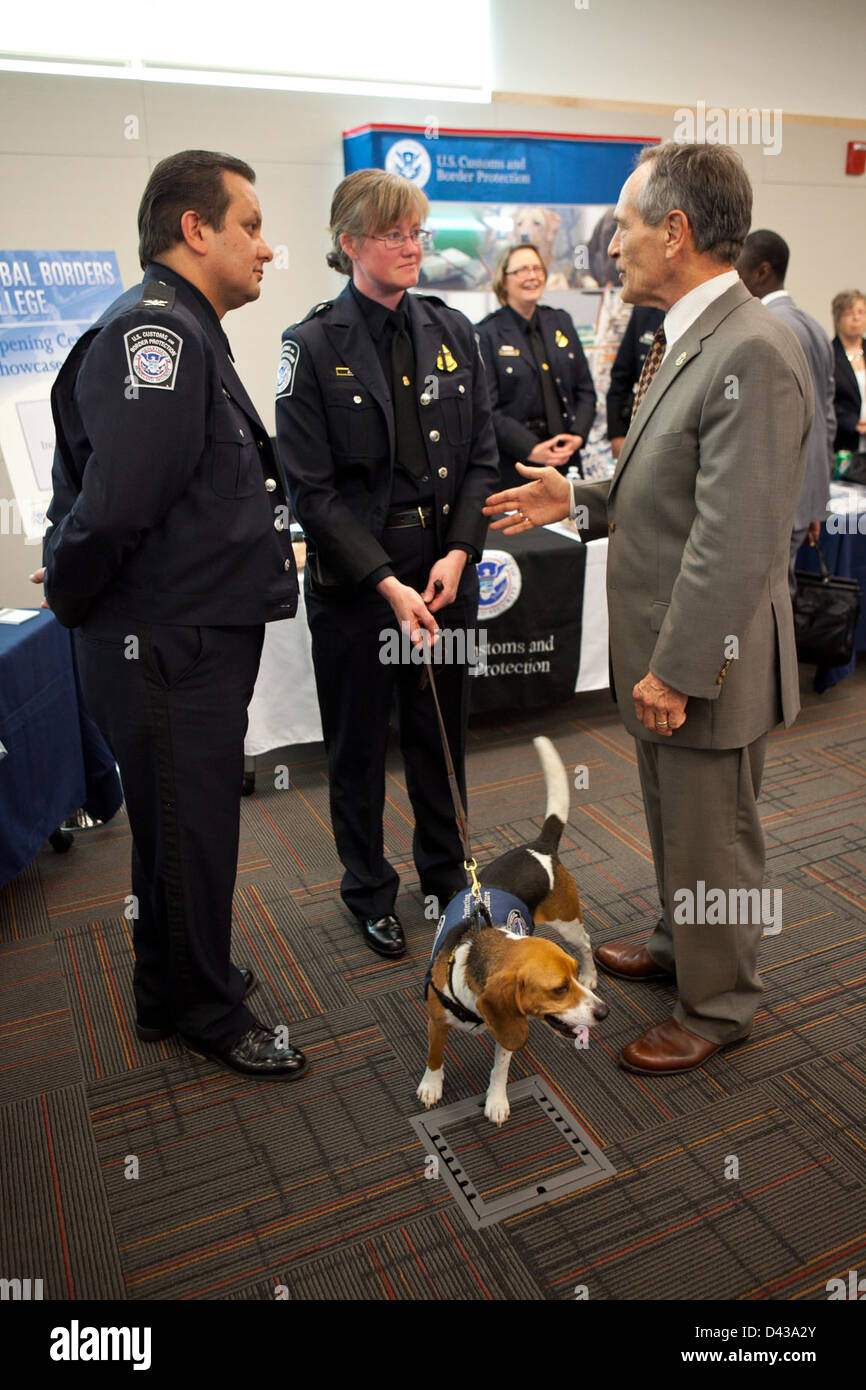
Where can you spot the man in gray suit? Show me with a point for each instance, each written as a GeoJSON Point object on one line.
{"type": "Point", "coordinates": [699, 513]}
{"type": "Point", "coordinates": [763, 265]}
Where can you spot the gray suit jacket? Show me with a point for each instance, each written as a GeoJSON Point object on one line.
{"type": "Point", "coordinates": [812, 502]}
{"type": "Point", "coordinates": [700, 512]}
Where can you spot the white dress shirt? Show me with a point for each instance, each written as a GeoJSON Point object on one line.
{"type": "Point", "coordinates": [682, 315]}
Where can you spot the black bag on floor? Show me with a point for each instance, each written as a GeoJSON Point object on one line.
{"type": "Point", "coordinates": [826, 612]}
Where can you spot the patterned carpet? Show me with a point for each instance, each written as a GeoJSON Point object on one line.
{"type": "Point", "coordinates": [128, 1170]}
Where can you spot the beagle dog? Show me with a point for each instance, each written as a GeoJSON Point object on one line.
{"type": "Point", "coordinates": [501, 976]}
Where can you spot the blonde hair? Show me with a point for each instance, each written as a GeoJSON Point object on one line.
{"type": "Point", "coordinates": [842, 301]}
{"type": "Point", "coordinates": [497, 284]}
{"type": "Point", "coordinates": [367, 203]}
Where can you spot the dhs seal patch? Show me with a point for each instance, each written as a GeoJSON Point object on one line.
{"type": "Point", "coordinates": [153, 355]}
{"type": "Point", "coordinates": [499, 583]}
{"type": "Point", "coordinates": [289, 355]}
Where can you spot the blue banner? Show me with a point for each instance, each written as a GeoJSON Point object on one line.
{"type": "Point", "coordinates": [47, 300]}
{"type": "Point", "coordinates": [497, 166]}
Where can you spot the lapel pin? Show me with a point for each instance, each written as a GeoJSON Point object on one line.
{"type": "Point", "coordinates": [681, 359]}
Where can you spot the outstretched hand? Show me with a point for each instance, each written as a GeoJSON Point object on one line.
{"type": "Point", "coordinates": [545, 498]}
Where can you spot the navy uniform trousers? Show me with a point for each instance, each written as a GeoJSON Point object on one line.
{"type": "Point", "coordinates": [180, 754]}
{"type": "Point", "coordinates": [356, 690]}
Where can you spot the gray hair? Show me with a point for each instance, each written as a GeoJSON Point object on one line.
{"type": "Point", "coordinates": [709, 184]}
{"type": "Point", "coordinates": [845, 299]}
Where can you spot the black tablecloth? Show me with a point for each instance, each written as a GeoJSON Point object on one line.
{"type": "Point", "coordinates": [56, 759]}
{"type": "Point", "coordinates": [530, 607]}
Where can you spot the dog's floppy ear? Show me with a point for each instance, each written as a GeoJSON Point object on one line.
{"type": "Point", "coordinates": [501, 1010]}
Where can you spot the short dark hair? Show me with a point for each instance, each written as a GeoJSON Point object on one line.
{"type": "Point", "coordinates": [763, 245]}
{"type": "Point", "coordinates": [709, 184]}
{"type": "Point", "coordinates": [192, 179]}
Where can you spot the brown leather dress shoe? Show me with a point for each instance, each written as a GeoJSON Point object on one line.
{"type": "Point", "coordinates": [668, 1047]}
{"type": "Point", "coordinates": [629, 961]}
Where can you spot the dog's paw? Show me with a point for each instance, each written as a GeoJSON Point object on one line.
{"type": "Point", "coordinates": [430, 1090]}
{"type": "Point", "coordinates": [497, 1109]}
{"type": "Point", "coordinates": [590, 979]}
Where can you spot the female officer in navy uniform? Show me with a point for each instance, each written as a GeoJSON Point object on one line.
{"type": "Point", "coordinates": [540, 384]}
{"type": "Point", "coordinates": [384, 429]}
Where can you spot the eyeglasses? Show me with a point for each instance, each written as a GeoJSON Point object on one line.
{"type": "Point", "coordinates": [395, 241]}
{"type": "Point", "coordinates": [528, 270]}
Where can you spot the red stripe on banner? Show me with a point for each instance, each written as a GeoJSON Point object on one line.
{"type": "Point", "coordinates": [520, 134]}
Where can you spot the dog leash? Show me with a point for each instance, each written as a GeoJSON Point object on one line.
{"type": "Point", "coordinates": [470, 864]}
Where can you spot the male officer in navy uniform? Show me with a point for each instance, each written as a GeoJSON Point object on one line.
{"type": "Point", "coordinates": [384, 428]}
{"type": "Point", "coordinates": [541, 388]}
{"type": "Point", "coordinates": [644, 322]}
{"type": "Point", "coordinates": [169, 549]}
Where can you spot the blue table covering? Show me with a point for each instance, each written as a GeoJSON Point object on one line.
{"type": "Point", "coordinates": [845, 555]}
{"type": "Point", "coordinates": [56, 759]}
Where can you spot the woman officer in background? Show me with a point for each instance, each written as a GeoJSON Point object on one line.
{"type": "Point", "coordinates": [540, 385]}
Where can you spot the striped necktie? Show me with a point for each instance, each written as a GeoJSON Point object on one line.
{"type": "Point", "coordinates": [652, 362]}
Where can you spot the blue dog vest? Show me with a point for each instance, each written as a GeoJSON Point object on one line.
{"type": "Point", "coordinates": [507, 913]}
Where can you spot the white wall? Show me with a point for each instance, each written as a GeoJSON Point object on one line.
{"type": "Point", "coordinates": [72, 180]}
{"type": "Point", "coordinates": [798, 55]}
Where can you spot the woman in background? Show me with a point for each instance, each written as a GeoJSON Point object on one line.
{"type": "Point", "coordinates": [849, 345]}
{"type": "Point", "coordinates": [540, 385]}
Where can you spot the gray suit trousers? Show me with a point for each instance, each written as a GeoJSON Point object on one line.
{"type": "Point", "coordinates": [703, 825]}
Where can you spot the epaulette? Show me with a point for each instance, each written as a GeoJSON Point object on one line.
{"type": "Point", "coordinates": [318, 309]}
{"type": "Point", "coordinates": [432, 299]}
{"type": "Point", "coordinates": [156, 294]}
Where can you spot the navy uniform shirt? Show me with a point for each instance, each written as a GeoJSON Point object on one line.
{"type": "Point", "coordinates": [335, 426]}
{"type": "Point", "coordinates": [515, 384]}
{"type": "Point", "coordinates": [168, 503]}
{"type": "Point", "coordinates": [628, 365]}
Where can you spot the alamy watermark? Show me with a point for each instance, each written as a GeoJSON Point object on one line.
{"type": "Point", "coordinates": [739, 125]}
{"type": "Point", "coordinates": [719, 907]}
{"type": "Point", "coordinates": [452, 647]}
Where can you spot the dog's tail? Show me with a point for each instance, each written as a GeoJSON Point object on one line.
{"type": "Point", "coordinates": [558, 796]}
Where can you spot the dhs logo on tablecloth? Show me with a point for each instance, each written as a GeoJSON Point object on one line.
{"type": "Point", "coordinates": [410, 160]}
{"type": "Point", "coordinates": [499, 583]}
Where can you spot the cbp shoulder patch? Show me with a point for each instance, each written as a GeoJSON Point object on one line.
{"type": "Point", "coordinates": [153, 355]}
{"type": "Point", "coordinates": [289, 354]}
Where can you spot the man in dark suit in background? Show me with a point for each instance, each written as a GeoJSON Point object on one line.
{"type": "Point", "coordinates": [763, 265]}
{"type": "Point", "coordinates": [625, 372]}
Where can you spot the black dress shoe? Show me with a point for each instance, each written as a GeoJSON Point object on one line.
{"type": "Point", "coordinates": [383, 934]}
{"type": "Point", "coordinates": [258, 1053]}
{"type": "Point", "coordinates": [158, 1028]}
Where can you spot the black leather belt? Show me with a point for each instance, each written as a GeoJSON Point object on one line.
{"type": "Point", "coordinates": [416, 516]}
